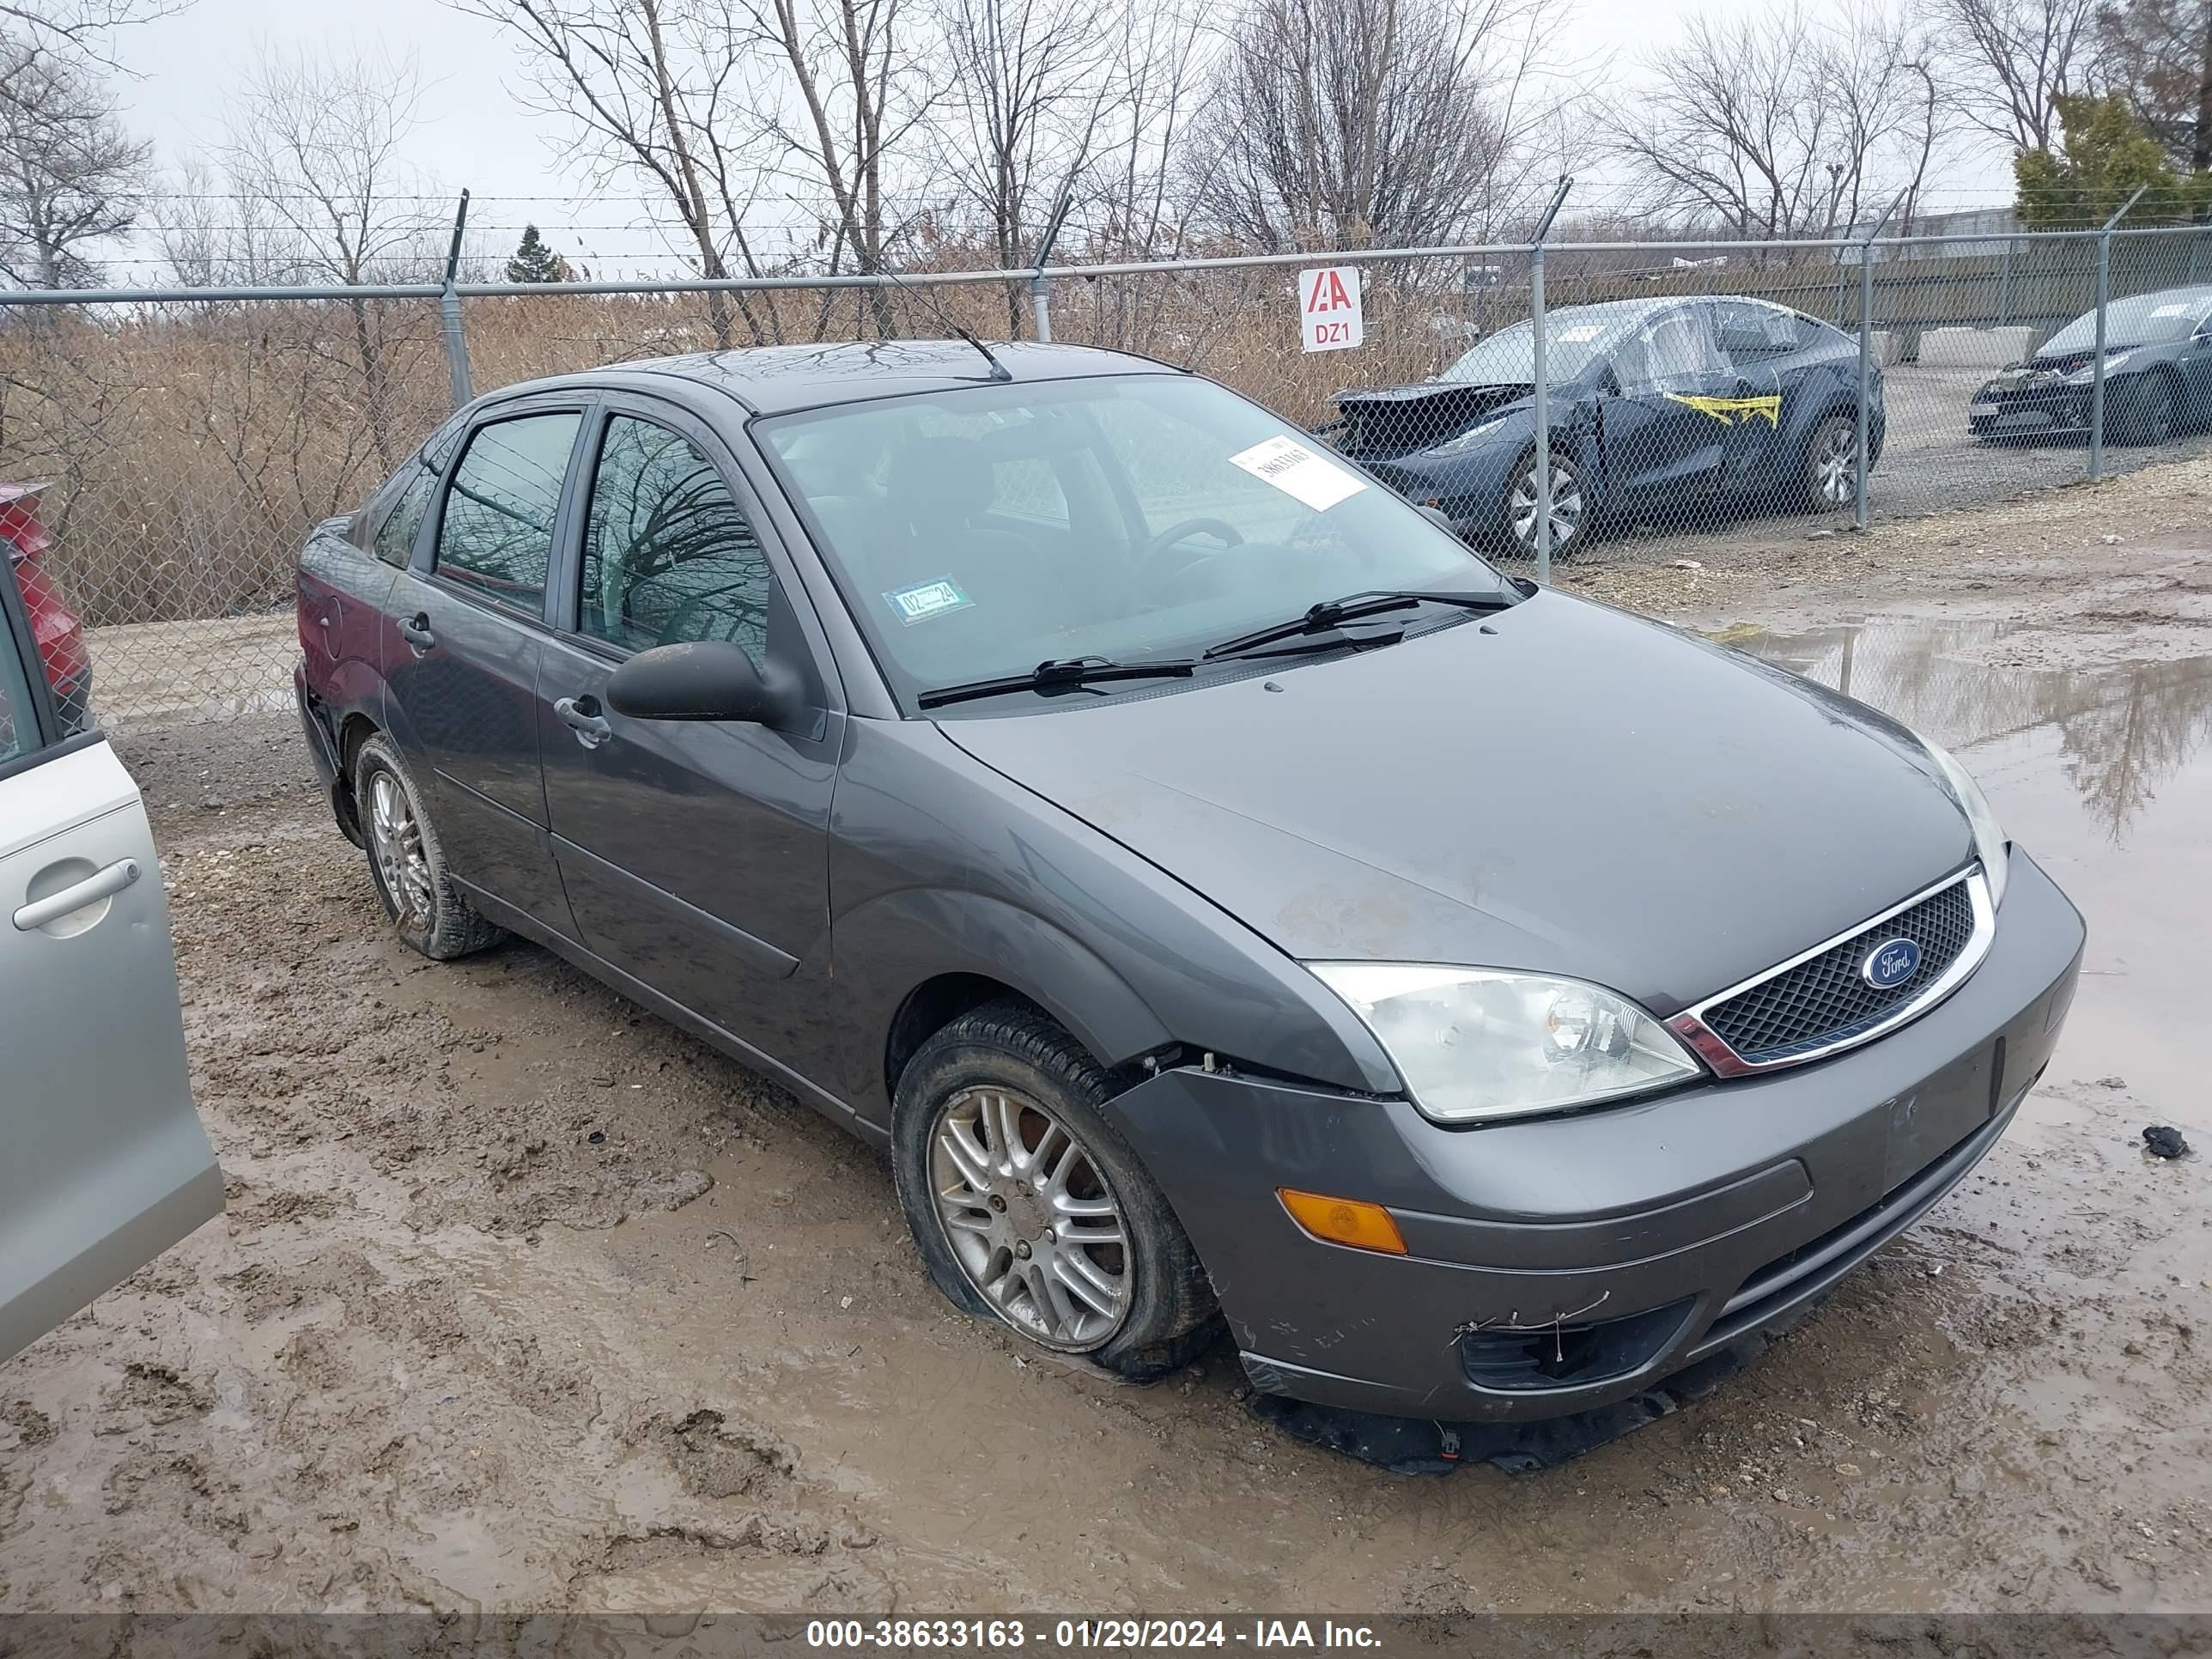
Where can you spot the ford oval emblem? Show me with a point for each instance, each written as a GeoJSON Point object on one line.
{"type": "Point", "coordinates": [1890, 964]}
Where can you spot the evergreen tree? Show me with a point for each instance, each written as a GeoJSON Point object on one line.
{"type": "Point", "coordinates": [2106, 155]}
{"type": "Point", "coordinates": [534, 262]}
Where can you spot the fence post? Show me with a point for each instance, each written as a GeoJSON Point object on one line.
{"type": "Point", "coordinates": [1040, 290]}
{"type": "Point", "coordinates": [2004, 288]}
{"type": "Point", "coordinates": [449, 315]}
{"type": "Point", "coordinates": [2097, 368]}
{"type": "Point", "coordinates": [1537, 372]}
{"type": "Point", "coordinates": [1864, 440]}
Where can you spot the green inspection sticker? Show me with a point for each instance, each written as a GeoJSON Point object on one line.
{"type": "Point", "coordinates": [926, 600]}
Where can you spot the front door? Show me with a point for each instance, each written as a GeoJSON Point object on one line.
{"type": "Point", "coordinates": [107, 1165]}
{"type": "Point", "coordinates": [1663, 424]}
{"type": "Point", "coordinates": [462, 657]}
{"type": "Point", "coordinates": [694, 854]}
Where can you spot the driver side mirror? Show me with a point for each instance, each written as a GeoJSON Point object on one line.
{"type": "Point", "coordinates": [698, 680]}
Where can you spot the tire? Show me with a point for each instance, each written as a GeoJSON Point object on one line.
{"type": "Point", "coordinates": [2146, 411]}
{"type": "Point", "coordinates": [1572, 508]}
{"type": "Point", "coordinates": [1827, 473]}
{"type": "Point", "coordinates": [1140, 1307]}
{"type": "Point", "coordinates": [418, 893]}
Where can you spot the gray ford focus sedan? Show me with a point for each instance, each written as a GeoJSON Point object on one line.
{"type": "Point", "coordinates": [1225, 896]}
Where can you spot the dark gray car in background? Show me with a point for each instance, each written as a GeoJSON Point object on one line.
{"type": "Point", "coordinates": [2158, 374]}
{"type": "Point", "coordinates": [1216, 887]}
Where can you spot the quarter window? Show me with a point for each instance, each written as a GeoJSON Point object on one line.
{"type": "Point", "coordinates": [395, 536]}
{"type": "Point", "coordinates": [668, 556]}
{"type": "Point", "coordinates": [497, 534]}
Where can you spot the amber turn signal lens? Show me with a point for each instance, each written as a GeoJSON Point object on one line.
{"type": "Point", "coordinates": [1343, 1220]}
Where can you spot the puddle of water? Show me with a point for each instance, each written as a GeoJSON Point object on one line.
{"type": "Point", "coordinates": [2103, 773]}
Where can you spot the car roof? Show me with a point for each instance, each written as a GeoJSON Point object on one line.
{"type": "Point", "coordinates": [771, 379]}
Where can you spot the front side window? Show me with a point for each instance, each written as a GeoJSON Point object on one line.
{"type": "Point", "coordinates": [668, 554]}
{"type": "Point", "coordinates": [497, 534]}
{"type": "Point", "coordinates": [1673, 352]}
{"type": "Point", "coordinates": [1180, 515]}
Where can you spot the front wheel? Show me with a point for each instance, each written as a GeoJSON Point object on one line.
{"type": "Point", "coordinates": [1570, 507]}
{"type": "Point", "coordinates": [1828, 481]}
{"type": "Point", "coordinates": [1030, 1209]}
{"type": "Point", "coordinates": [2142, 409]}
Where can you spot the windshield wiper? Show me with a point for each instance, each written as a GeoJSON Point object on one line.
{"type": "Point", "coordinates": [1061, 671]}
{"type": "Point", "coordinates": [1332, 614]}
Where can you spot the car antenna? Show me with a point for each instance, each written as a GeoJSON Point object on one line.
{"type": "Point", "coordinates": [999, 372]}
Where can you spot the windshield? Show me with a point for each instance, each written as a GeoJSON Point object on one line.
{"type": "Point", "coordinates": [1573, 340]}
{"type": "Point", "coordinates": [980, 532]}
{"type": "Point", "coordinates": [2146, 320]}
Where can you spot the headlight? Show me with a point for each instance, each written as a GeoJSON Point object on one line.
{"type": "Point", "coordinates": [1989, 844]}
{"type": "Point", "coordinates": [2084, 376]}
{"type": "Point", "coordinates": [1469, 438]}
{"type": "Point", "coordinates": [1477, 1042]}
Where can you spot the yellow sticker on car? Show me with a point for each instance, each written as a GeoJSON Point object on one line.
{"type": "Point", "coordinates": [1730, 411]}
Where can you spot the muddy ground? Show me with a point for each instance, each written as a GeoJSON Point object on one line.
{"type": "Point", "coordinates": [524, 1300]}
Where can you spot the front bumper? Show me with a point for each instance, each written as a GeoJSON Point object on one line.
{"type": "Point", "coordinates": [1560, 1264]}
{"type": "Point", "coordinates": [2032, 411]}
{"type": "Point", "coordinates": [1468, 489]}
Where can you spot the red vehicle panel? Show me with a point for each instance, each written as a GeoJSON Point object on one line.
{"type": "Point", "coordinates": [60, 636]}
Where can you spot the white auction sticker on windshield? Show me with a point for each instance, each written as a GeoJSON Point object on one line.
{"type": "Point", "coordinates": [1581, 334]}
{"type": "Point", "coordinates": [1298, 472]}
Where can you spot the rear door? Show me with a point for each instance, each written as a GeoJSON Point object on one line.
{"type": "Point", "coordinates": [694, 854]}
{"type": "Point", "coordinates": [1663, 421]}
{"type": "Point", "coordinates": [466, 630]}
{"type": "Point", "coordinates": [105, 1164]}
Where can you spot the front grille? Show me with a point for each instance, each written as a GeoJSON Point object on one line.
{"type": "Point", "coordinates": [1826, 999]}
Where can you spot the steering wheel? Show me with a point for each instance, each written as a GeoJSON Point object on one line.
{"type": "Point", "coordinates": [1156, 549]}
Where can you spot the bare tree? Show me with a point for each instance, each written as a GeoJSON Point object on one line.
{"type": "Point", "coordinates": [321, 193]}
{"type": "Point", "coordinates": [1159, 62]}
{"type": "Point", "coordinates": [662, 91]}
{"type": "Point", "coordinates": [2011, 61]}
{"type": "Point", "coordinates": [1028, 86]}
{"type": "Point", "coordinates": [856, 87]}
{"type": "Point", "coordinates": [70, 176]}
{"type": "Point", "coordinates": [1782, 125]}
{"type": "Point", "coordinates": [1344, 122]}
{"type": "Point", "coordinates": [79, 28]}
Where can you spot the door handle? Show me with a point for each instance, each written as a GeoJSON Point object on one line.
{"type": "Point", "coordinates": [417, 632]}
{"type": "Point", "coordinates": [101, 883]}
{"type": "Point", "coordinates": [581, 715]}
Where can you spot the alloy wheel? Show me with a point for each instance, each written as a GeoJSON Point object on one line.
{"type": "Point", "coordinates": [1030, 1219]}
{"type": "Point", "coordinates": [1567, 508]}
{"type": "Point", "coordinates": [396, 839]}
{"type": "Point", "coordinates": [1835, 471]}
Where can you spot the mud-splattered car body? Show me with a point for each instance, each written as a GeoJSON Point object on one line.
{"type": "Point", "coordinates": [1256, 892]}
{"type": "Point", "coordinates": [1665, 411]}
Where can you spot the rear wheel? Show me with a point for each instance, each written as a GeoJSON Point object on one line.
{"type": "Point", "coordinates": [1030, 1209]}
{"type": "Point", "coordinates": [1828, 479]}
{"type": "Point", "coordinates": [407, 863]}
{"type": "Point", "coordinates": [1570, 507]}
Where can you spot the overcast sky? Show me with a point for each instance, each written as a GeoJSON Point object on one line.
{"type": "Point", "coordinates": [474, 133]}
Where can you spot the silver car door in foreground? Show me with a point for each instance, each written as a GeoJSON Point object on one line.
{"type": "Point", "coordinates": [103, 1162]}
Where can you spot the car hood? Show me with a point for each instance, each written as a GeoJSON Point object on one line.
{"type": "Point", "coordinates": [1561, 788]}
{"type": "Point", "coordinates": [1400, 419]}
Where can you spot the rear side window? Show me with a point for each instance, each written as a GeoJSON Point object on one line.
{"type": "Point", "coordinates": [18, 722]}
{"type": "Point", "coordinates": [395, 536]}
{"type": "Point", "coordinates": [497, 533]}
{"type": "Point", "coordinates": [668, 556]}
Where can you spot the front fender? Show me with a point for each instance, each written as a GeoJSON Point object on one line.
{"type": "Point", "coordinates": [896, 943]}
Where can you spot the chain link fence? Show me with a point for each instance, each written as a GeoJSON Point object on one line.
{"type": "Point", "coordinates": [162, 455]}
